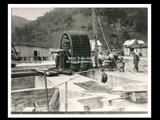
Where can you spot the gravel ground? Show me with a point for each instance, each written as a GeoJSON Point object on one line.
{"type": "Point", "coordinates": [143, 64]}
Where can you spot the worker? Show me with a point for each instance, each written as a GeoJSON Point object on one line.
{"type": "Point", "coordinates": [104, 76]}
{"type": "Point", "coordinates": [93, 59]}
{"type": "Point", "coordinates": [57, 59]}
{"type": "Point", "coordinates": [100, 60]}
{"type": "Point", "coordinates": [135, 60]}
{"type": "Point", "coordinates": [107, 52]}
{"type": "Point", "coordinates": [111, 58]}
{"type": "Point", "coordinates": [121, 64]}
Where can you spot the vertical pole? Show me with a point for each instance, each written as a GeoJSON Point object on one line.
{"type": "Point", "coordinates": [66, 104]}
{"type": "Point", "coordinates": [46, 90]}
{"type": "Point", "coordinates": [95, 37]}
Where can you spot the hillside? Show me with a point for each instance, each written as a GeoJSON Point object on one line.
{"type": "Point", "coordinates": [18, 22]}
{"type": "Point", "coordinates": [118, 24]}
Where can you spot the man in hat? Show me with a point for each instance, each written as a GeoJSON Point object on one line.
{"type": "Point", "coordinates": [135, 60]}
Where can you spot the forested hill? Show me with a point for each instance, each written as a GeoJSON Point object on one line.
{"type": "Point", "coordinates": [119, 24]}
{"type": "Point", "coordinates": [18, 22]}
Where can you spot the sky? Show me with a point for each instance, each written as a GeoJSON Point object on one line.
{"type": "Point", "coordinates": [30, 13]}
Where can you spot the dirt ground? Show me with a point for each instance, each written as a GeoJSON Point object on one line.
{"type": "Point", "coordinates": [130, 72]}
{"type": "Point", "coordinates": [143, 65]}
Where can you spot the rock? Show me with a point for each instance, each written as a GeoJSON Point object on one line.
{"type": "Point", "coordinates": [139, 97]}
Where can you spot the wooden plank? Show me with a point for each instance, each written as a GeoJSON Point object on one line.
{"type": "Point", "coordinates": [135, 88]}
{"type": "Point", "coordinates": [24, 74]}
{"type": "Point", "coordinates": [48, 73]}
{"type": "Point", "coordinates": [136, 91]}
{"type": "Point", "coordinates": [21, 70]}
{"type": "Point", "coordinates": [46, 90]}
{"type": "Point", "coordinates": [113, 97]}
{"type": "Point", "coordinates": [53, 100]}
{"type": "Point", "coordinates": [29, 109]}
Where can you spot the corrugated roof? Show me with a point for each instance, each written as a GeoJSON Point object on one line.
{"type": "Point", "coordinates": [140, 41]}
{"type": "Point", "coordinates": [130, 42]}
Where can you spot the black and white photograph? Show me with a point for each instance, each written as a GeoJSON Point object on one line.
{"type": "Point", "coordinates": [79, 60]}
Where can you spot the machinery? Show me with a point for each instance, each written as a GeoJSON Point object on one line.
{"type": "Point", "coordinates": [74, 52]}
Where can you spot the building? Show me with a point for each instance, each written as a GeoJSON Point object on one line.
{"type": "Point", "coordinates": [34, 53]}
{"type": "Point", "coordinates": [135, 45]}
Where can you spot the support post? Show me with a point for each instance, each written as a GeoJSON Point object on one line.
{"type": "Point", "coordinates": [46, 90]}
{"type": "Point", "coordinates": [95, 37]}
{"type": "Point", "coordinates": [66, 103]}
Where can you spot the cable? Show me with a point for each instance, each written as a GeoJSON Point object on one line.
{"type": "Point", "coordinates": [104, 35]}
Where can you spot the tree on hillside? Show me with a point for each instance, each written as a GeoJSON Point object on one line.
{"type": "Point", "coordinates": [47, 29]}
{"type": "Point", "coordinates": [39, 31]}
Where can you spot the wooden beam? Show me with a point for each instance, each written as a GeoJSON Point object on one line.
{"type": "Point", "coordinates": [66, 101]}
{"type": "Point", "coordinates": [95, 37]}
{"type": "Point", "coordinates": [46, 90]}
{"type": "Point", "coordinates": [53, 100]}
{"type": "Point", "coordinates": [22, 70]}
{"type": "Point", "coordinates": [24, 74]}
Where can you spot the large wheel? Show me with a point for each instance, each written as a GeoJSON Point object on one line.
{"type": "Point", "coordinates": [79, 46]}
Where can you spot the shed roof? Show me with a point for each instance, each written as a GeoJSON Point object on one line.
{"type": "Point", "coordinates": [130, 42]}
{"type": "Point", "coordinates": [32, 46]}
{"type": "Point", "coordinates": [137, 46]}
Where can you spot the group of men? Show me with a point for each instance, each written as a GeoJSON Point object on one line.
{"type": "Point", "coordinates": [135, 61]}
{"type": "Point", "coordinates": [104, 75]}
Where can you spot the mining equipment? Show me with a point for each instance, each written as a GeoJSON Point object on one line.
{"type": "Point", "coordinates": [74, 53]}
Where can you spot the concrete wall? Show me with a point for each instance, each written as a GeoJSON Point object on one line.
{"type": "Point", "coordinates": [70, 95]}
{"type": "Point", "coordinates": [29, 82]}
{"type": "Point", "coordinates": [40, 82]}
{"type": "Point", "coordinates": [23, 82]}
{"type": "Point", "coordinates": [93, 103]}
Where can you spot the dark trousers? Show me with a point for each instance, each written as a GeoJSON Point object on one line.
{"type": "Point", "coordinates": [104, 80]}
{"type": "Point", "coordinates": [136, 65]}
{"type": "Point", "coordinates": [57, 61]}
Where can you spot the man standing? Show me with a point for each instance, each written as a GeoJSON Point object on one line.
{"type": "Point", "coordinates": [104, 76]}
{"type": "Point", "coordinates": [135, 60]}
{"type": "Point", "coordinates": [100, 60]}
{"type": "Point", "coordinates": [121, 64]}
